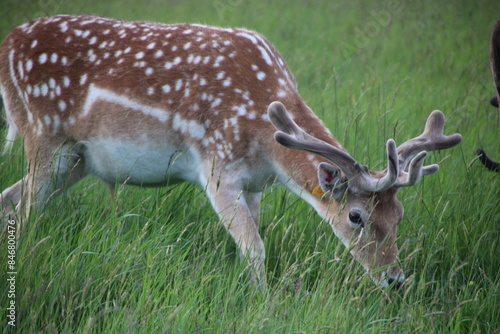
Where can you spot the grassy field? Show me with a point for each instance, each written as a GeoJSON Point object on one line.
{"type": "Point", "coordinates": [160, 261]}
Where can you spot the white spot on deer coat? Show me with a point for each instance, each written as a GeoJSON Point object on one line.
{"type": "Point", "coordinates": [218, 60]}
{"type": "Point", "coordinates": [29, 65]}
{"type": "Point", "coordinates": [227, 82]}
{"type": "Point", "coordinates": [169, 65]}
{"type": "Point", "coordinates": [92, 55]}
{"type": "Point", "coordinates": [53, 58]}
{"type": "Point", "coordinates": [220, 75]}
{"type": "Point", "coordinates": [62, 105]}
{"type": "Point", "coordinates": [178, 84]}
{"type": "Point", "coordinates": [42, 58]}
{"type": "Point", "coordinates": [83, 79]}
{"type": "Point", "coordinates": [84, 23]}
{"type": "Point", "coordinates": [261, 75]}
{"type": "Point", "coordinates": [63, 26]}
{"type": "Point", "coordinates": [265, 56]}
{"type": "Point", "coordinates": [158, 53]}
{"type": "Point", "coordinates": [44, 89]}
{"type": "Point", "coordinates": [240, 110]}
{"type": "Point", "coordinates": [166, 88]}
{"type": "Point", "coordinates": [47, 120]}
{"type": "Point", "coordinates": [248, 36]}
{"type": "Point", "coordinates": [216, 103]}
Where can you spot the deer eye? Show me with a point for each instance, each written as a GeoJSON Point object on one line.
{"type": "Point", "coordinates": [356, 218]}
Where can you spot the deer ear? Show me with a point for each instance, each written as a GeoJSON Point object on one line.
{"type": "Point", "coordinates": [330, 180]}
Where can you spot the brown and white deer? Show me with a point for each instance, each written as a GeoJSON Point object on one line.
{"type": "Point", "coordinates": [148, 104]}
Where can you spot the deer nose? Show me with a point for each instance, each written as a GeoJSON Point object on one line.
{"type": "Point", "coordinates": [398, 281]}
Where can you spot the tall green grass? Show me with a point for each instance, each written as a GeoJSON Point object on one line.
{"type": "Point", "coordinates": [159, 261]}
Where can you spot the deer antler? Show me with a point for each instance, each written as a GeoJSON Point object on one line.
{"type": "Point", "coordinates": [409, 155]}
{"type": "Point", "coordinates": [292, 136]}
{"type": "Point", "coordinates": [431, 139]}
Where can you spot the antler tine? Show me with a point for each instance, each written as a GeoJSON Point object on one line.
{"type": "Point", "coordinates": [415, 171]}
{"type": "Point", "coordinates": [431, 139]}
{"type": "Point", "coordinates": [292, 136]}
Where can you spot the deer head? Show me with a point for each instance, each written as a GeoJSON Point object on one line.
{"type": "Point", "coordinates": [362, 206]}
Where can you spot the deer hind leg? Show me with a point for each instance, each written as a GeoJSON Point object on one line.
{"type": "Point", "coordinates": [9, 200]}
{"type": "Point", "coordinates": [231, 205]}
{"type": "Point", "coordinates": [51, 172]}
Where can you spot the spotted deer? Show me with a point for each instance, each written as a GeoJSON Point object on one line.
{"type": "Point", "coordinates": [149, 104]}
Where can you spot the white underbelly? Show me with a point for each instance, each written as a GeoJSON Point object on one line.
{"type": "Point", "coordinates": [142, 163]}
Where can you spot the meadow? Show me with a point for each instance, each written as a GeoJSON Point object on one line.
{"type": "Point", "coordinates": [159, 261]}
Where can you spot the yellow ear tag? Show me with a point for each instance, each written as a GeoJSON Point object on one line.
{"type": "Point", "coordinates": [318, 191]}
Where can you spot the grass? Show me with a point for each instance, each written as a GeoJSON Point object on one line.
{"type": "Point", "coordinates": [159, 261]}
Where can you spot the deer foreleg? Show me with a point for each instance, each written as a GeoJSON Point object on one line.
{"type": "Point", "coordinates": [231, 205]}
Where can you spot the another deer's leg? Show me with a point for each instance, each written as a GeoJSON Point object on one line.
{"type": "Point", "coordinates": [230, 204]}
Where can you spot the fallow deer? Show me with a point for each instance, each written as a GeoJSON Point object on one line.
{"type": "Point", "coordinates": [149, 104]}
{"type": "Point", "coordinates": [495, 71]}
